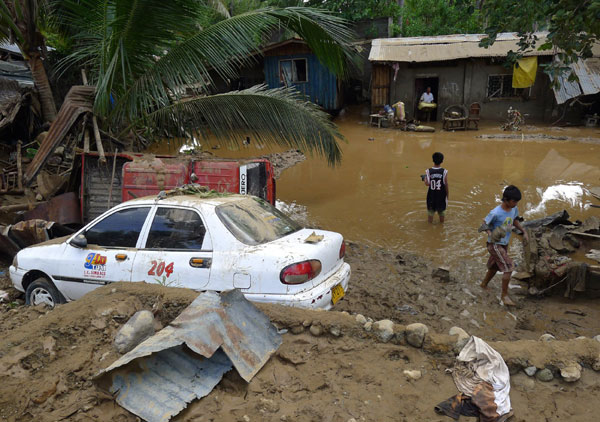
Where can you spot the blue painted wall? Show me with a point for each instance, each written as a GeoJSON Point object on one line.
{"type": "Point", "coordinates": [321, 87]}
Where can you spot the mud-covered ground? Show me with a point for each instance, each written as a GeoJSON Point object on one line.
{"type": "Point", "coordinates": [48, 357]}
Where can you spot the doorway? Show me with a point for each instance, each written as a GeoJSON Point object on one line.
{"type": "Point", "coordinates": [421, 85]}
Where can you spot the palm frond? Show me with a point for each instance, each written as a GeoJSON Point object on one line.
{"type": "Point", "coordinates": [229, 45]}
{"type": "Point", "coordinates": [269, 116]}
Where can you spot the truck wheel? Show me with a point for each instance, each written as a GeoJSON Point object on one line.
{"type": "Point", "coordinates": [42, 291]}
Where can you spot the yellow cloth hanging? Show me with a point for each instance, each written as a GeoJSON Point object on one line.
{"type": "Point", "coordinates": [524, 71]}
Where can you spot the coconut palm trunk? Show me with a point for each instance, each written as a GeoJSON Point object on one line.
{"type": "Point", "coordinates": [40, 79]}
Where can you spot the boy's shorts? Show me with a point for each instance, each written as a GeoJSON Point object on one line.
{"type": "Point", "coordinates": [432, 212]}
{"type": "Point", "coordinates": [499, 259]}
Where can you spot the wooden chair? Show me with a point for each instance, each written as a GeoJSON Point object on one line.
{"type": "Point", "coordinates": [474, 110]}
{"type": "Point", "coordinates": [455, 117]}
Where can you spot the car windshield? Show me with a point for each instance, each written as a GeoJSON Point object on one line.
{"type": "Point", "coordinates": [254, 221]}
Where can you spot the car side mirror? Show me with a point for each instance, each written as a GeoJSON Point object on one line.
{"type": "Point", "coordinates": [79, 241]}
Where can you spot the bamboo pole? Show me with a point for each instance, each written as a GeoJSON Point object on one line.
{"type": "Point", "coordinates": [112, 178]}
{"type": "Point", "coordinates": [99, 146]}
{"type": "Point", "coordinates": [19, 169]}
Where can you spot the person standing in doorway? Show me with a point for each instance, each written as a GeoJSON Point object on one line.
{"type": "Point", "coordinates": [427, 96]}
{"type": "Point", "coordinates": [436, 180]}
{"type": "Point", "coordinates": [498, 226]}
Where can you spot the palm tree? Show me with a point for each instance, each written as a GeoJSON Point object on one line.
{"type": "Point", "coordinates": [20, 21]}
{"type": "Point", "coordinates": [139, 55]}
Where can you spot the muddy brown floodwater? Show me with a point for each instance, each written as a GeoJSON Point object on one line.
{"type": "Point", "coordinates": [376, 195]}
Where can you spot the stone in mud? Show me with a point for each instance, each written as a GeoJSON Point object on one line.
{"type": "Point", "coordinates": [368, 326]}
{"type": "Point", "coordinates": [462, 339]}
{"type": "Point", "coordinates": [597, 338]}
{"type": "Point", "coordinates": [441, 274]}
{"type": "Point", "coordinates": [530, 370]}
{"type": "Point", "coordinates": [361, 319]}
{"type": "Point", "coordinates": [547, 337]}
{"type": "Point", "coordinates": [297, 329]}
{"type": "Point", "coordinates": [384, 329]}
{"type": "Point", "coordinates": [307, 323]}
{"type": "Point", "coordinates": [596, 365]}
{"type": "Point", "coordinates": [544, 375]}
{"type": "Point", "coordinates": [571, 373]}
{"type": "Point", "coordinates": [413, 374]}
{"type": "Point", "coordinates": [268, 405]}
{"type": "Point", "coordinates": [316, 330]}
{"type": "Point", "coordinates": [415, 334]}
{"type": "Point", "coordinates": [139, 327]}
{"type": "Point", "coordinates": [465, 313]}
{"type": "Point", "coordinates": [335, 331]}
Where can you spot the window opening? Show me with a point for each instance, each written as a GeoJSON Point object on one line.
{"type": "Point", "coordinates": [175, 228]}
{"type": "Point", "coordinates": [500, 86]}
{"type": "Point", "coordinates": [120, 229]}
{"type": "Point", "coordinates": [293, 71]}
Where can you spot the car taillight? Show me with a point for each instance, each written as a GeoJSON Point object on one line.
{"type": "Point", "coordinates": [300, 272]}
{"type": "Point", "coordinates": [343, 249]}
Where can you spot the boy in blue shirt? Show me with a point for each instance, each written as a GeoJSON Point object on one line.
{"type": "Point", "coordinates": [498, 226]}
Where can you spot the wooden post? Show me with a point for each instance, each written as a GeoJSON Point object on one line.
{"type": "Point", "coordinates": [112, 178]}
{"type": "Point", "coordinates": [99, 146]}
{"type": "Point", "coordinates": [86, 135]}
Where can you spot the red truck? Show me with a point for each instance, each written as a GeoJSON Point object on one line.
{"type": "Point", "coordinates": [137, 175]}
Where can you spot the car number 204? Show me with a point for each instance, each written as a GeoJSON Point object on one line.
{"type": "Point", "coordinates": [159, 267]}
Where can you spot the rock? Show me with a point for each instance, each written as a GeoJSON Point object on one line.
{"type": "Point", "coordinates": [544, 375]}
{"type": "Point", "coordinates": [246, 418]}
{"type": "Point", "coordinates": [462, 339]}
{"type": "Point", "coordinates": [268, 405]}
{"type": "Point", "coordinates": [571, 373]}
{"type": "Point", "coordinates": [139, 327]}
{"type": "Point", "coordinates": [413, 375]}
{"type": "Point", "coordinates": [99, 323]}
{"type": "Point", "coordinates": [415, 334]}
{"type": "Point", "coordinates": [335, 331]}
{"type": "Point", "coordinates": [597, 338]}
{"type": "Point", "coordinates": [307, 323]}
{"type": "Point", "coordinates": [530, 370]}
{"type": "Point", "coordinates": [547, 337]}
{"type": "Point", "coordinates": [581, 338]}
{"type": "Point", "coordinates": [39, 197]}
{"type": "Point", "coordinates": [49, 343]}
{"type": "Point", "coordinates": [297, 329]}
{"type": "Point", "coordinates": [361, 319]}
{"type": "Point", "coordinates": [384, 329]}
{"type": "Point", "coordinates": [475, 323]}
{"type": "Point", "coordinates": [596, 365]}
{"type": "Point", "coordinates": [316, 330]}
{"type": "Point", "coordinates": [465, 313]}
{"type": "Point", "coordinates": [442, 274]}
{"type": "Point", "coordinates": [368, 325]}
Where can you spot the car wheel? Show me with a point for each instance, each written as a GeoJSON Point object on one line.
{"type": "Point", "coordinates": [42, 291]}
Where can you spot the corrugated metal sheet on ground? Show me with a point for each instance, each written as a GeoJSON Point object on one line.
{"type": "Point", "coordinates": [80, 99]}
{"type": "Point", "coordinates": [166, 372]}
{"type": "Point", "coordinates": [447, 47]}
{"type": "Point", "coordinates": [588, 72]}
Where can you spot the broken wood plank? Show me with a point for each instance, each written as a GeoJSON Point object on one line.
{"type": "Point", "coordinates": [99, 146]}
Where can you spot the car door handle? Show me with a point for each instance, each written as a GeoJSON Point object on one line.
{"type": "Point", "coordinates": [120, 257]}
{"type": "Point", "coordinates": [200, 262]}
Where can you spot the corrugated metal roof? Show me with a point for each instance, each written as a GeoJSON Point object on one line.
{"type": "Point", "coordinates": [588, 72]}
{"type": "Point", "coordinates": [165, 376]}
{"type": "Point", "coordinates": [447, 47]}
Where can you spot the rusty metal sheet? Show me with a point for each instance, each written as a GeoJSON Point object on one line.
{"type": "Point", "coordinates": [30, 232]}
{"type": "Point", "coordinates": [62, 209]}
{"type": "Point", "coordinates": [164, 376]}
{"type": "Point", "coordinates": [80, 99]}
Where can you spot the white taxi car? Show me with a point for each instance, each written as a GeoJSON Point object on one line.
{"type": "Point", "coordinates": [218, 243]}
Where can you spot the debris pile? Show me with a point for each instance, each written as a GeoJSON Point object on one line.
{"type": "Point", "coordinates": [548, 264]}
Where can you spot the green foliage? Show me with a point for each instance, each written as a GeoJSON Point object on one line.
{"type": "Point", "coordinates": [573, 25]}
{"type": "Point", "coordinates": [356, 10]}
{"type": "Point", "coordinates": [140, 54]}
{"type": "Point", "coordinates": [439, 17]}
